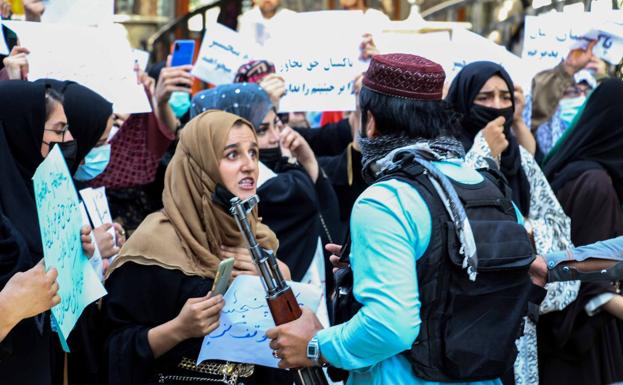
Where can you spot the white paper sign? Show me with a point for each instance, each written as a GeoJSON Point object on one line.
{"type": "Point", "coordinates": [319, 65]}
{"type": "Point", "coordinates": [548, 38]}
{"type": "Point", "coordinates": [97, 206]}
{"type": "Point", "coordinates": [468, 47]}
{"type": "Point", "coordinates": [222, 52]}
{"type": "Point", "coordinates": [141, 58]}
{"type": "Point", "coordinates": [79, 12]}
{"type": "Point", "coordinates": [428, 45]}
{"type": "Point", "coordinates": [98, 58]}
{"type": "Point", "coordinates": [245, 320]}
{"type": "Point", "coordinates": [96, 259]}
{"type": "Point", "coordinates": [609, 45]}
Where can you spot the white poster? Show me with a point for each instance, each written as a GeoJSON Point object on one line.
{"type": "Point", "coordinates": [318, 56]}
{"type": "Point", "coordinates": [222, 52]}
{"type": "Point", "coordinates": [549, 37]}
{"type": "Point", "coordinates": [79, 12]}
{"type": "Point", "coordinates": [98, 58]}
{"type": "Point", "coordinates": [468, 47]}
{"type": "Point", "coordinates": [241, 335]}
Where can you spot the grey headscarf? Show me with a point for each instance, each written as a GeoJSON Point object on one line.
{"type": "Point", "coordinates": [247, 100]}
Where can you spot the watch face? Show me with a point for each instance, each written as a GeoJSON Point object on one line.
{"type": "Point", "coordinates": [312, 351]}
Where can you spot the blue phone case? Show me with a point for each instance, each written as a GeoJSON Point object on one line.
{"type": "Point", "coordinates": [183, 52]}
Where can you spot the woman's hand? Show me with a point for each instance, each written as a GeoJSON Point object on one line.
{"type": "Point", "coordinates": [173, 79]}
{"type": "Point", "coordinates": [244, 265]}
{"type": "Point", "coordinates": [16, 63]}
{"type": "Point", "coordinates": [367, 47]}
{"type": "Point", "coordinates": [578, 58]}
{"type": "Point", "coordinates": [199, 316]}
{"type": "Point", "coordinates": [495, 137]}
{"type": "Point", "coordinates": [292, 141]}
{"type": "Point", "coordinates": [147, 81]}
{"type": "Point", "coordinates": [119, 234]}
{"type": "Point", "coordinates": [275, 87]}
{"type": "Point", "coordinates": [243, 262]}
{"type": "Point", "coordinates": [85, 237]}
{"type": "Point", "coordinates": [29, 293]}
{"type": "Point", "coordinates": [105, 241]}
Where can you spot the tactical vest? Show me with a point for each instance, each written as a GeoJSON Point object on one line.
{"type": "Point", "coordinates": [468, 328]}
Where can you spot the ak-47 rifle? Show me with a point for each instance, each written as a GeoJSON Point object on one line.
{"type": "Point", "coordinates": [281, 300]}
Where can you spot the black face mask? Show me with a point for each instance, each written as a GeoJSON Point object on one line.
{"type": "Point", "coordinates": [271, 157]}
{"type": "Point", "coordinates": [480, 116]}
{"type": "Point", "coordinates": [222, 197]}
{"type": "Point", "coordinates": [70, 152]}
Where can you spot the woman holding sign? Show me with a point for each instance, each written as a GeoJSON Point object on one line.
{"type": "Point", "coordinates": [159, 306]}
{"type": "Point", "coordinates": [32, 121]}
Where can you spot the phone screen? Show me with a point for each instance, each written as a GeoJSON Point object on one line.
{"type": "Point", "coordinates": [182, 52]}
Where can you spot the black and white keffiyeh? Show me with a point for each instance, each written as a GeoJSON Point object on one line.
{"type": "Point", "coordinates": [384, 152]}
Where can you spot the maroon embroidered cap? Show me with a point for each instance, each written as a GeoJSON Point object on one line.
{"type": "Point", "coordinates": [404, 75]}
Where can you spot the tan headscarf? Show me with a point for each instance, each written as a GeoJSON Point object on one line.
{"type": "Point", "coordinates": [187, 234]}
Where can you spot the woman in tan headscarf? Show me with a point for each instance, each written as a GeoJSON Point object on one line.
{"type": "Point", "coordinates": [158, 307]}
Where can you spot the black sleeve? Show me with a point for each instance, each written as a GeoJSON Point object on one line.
{"type": "Point", "coordinates": [139, 298]}
{"type": "Point", "coordinates": [289, 206]}
{"type": "Point", "coordinates": [328, 140]}
{"type": "Point", "coordinates": [291, 191]}
{"type": "Point", "coordinates": [329, 209]}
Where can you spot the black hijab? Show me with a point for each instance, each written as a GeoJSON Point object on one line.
{"type": "Point", "coordinates": [462, 93]}
{"type": "Point", "coordinates": [14, 255]}
{"type": "Point", "coordinates": [22, 120]}
{"type": "Point", "coordinates": [87, 114]}
{"type": "Point", "coordinates": [595, 141]}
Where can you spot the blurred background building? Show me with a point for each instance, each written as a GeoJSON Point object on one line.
{"type": "Point", "coordinates": [154, 24]}
{"type": "Point", "coordinates": [154, 21]}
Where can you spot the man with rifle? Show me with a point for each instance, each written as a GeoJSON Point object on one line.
{"type": "Point", "coordinates": [442, 267]}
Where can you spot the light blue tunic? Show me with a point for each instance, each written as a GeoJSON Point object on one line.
{"type": "Point", "coordinates": [390, 230]}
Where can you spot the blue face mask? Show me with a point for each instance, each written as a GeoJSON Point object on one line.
{"type": "Point", "coordinates": [179, 103]}
{"type": "Point", "coordinates": [569, 108]}
{"type": "Point", "coordinates": [94, 163]}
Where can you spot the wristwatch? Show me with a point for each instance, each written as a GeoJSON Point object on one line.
{"type": "Point", "coordinates": [313, 352]}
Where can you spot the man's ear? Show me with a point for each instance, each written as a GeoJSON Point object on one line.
{"type": "Point", "coordinates": [371, 130]}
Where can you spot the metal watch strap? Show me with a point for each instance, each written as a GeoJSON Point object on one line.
{"type": "Point", "coordinates": [313, 351]}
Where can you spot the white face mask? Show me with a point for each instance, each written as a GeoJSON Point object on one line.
{"type": "Point", "coordinates": [570, 107]}
{"type": "Point", "coordinates": [94, 163]}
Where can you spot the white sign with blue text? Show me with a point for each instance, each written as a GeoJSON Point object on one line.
{"type": "Point", "coordinates": [241, 336]}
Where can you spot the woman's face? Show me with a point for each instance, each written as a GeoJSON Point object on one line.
{"type": "Point", "coordinates": [268, 132]}
{"type": "Point", "coordinates": [494, 94]}
{"type": "Point", "coordinates": [55, 129]}
{"type": "Point", "coordinates": [238, 166]}
{"type": "Point", "coordinates": [104, 138]}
